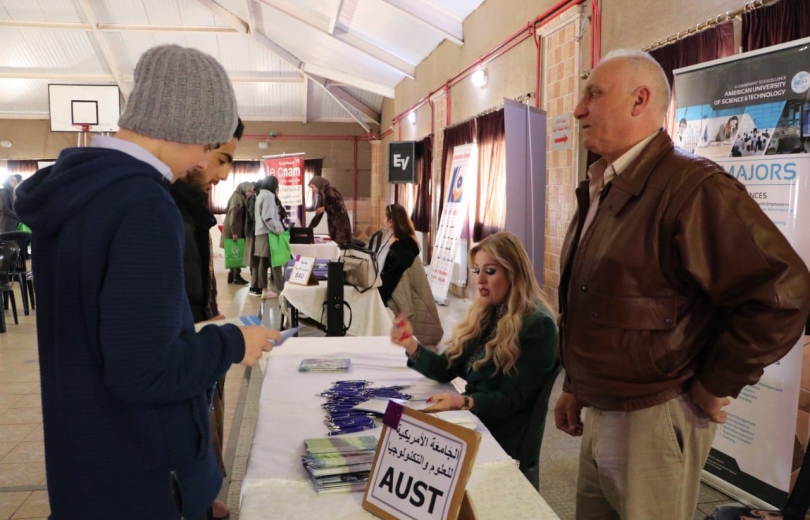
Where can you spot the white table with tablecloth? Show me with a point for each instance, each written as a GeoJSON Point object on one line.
{"type": "Point", "coordinates": [369, 317]}
{"type": "Point", "coordinates": [276, 484]}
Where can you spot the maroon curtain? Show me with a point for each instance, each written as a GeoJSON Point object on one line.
{"type": "Point", "coordinates": [711, 44]}
{"type": "Point", "coordinates": [778, 23]}
{"type": "Point", "coordinates": [462, 133]}
{"type": "Point", "coordinates": [24, 168]}
{"type": "Point", "coordinates": [421, 208]}
{"type": "Point", "coordinates": [241, 171]}
{"type": "Point", "coordinates": [312, 168]}
{"type": "Point", "coordinates": [490, 208]}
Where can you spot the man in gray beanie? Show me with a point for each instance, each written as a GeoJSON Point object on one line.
{"type": "Point", "coordinates": [124, 374]}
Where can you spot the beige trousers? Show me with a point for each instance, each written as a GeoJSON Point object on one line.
{"type": "Point", "coordinates": [643, 465]}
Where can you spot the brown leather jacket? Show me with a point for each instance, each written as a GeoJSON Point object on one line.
{"type": "Point", "coordinates": [680, 275]}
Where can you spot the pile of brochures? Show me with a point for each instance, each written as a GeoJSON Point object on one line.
{"type": "Point", "coordinates": [340, 464]}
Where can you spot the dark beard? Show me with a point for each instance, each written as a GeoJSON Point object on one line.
{"type": "Point", "coordinates": [195, 179]}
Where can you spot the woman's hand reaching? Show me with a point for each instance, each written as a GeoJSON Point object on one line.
{"type": "Point", "coordinates": [402, 334]}
{"type": "Point", "coordinates": [444, 402]}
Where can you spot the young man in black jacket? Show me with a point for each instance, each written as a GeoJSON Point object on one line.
{"type": "Point", "coordinates": [191, 197]}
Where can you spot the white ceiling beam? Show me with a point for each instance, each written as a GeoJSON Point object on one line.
{"type": "Point", "coordinates": [114, 27]}
{"type": "Point", "coordinates": [331, 91]}
{"type": "Point", "coordinates": [338, 76]}
{"type": "Point", "coordinates": [107, 57]}
{"type": "Point", "coordinates": [305, 97]}
{"type": "Point", "coordinates": [345, 39]}
{"type": "Point", "coordinates": [252, 30]}
{"type": "Point", "coordinates": [430, 16]}
{"type": "Point", "coordinates": [335, 17]}
{"type": "Point", "coordinates": [394, 62]}
{"type": "Point", "coordinates": [27, 73]}
{"type": "Point", "coordinates": [261, 39]}
{"type": "Point", "coordinates": [232, 20]}
{"type": "Point", "coordinates": [354, 102]}
{"type": "Point", "coordinates": [20, 73]}
{"type": "Point", "coordinates": [46, 25]}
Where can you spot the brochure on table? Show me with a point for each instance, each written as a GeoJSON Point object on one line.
{"type": "Point", "coordinates": [421, 467]}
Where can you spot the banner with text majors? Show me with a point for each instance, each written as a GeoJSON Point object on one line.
{"type": "Point", "coordinates": [751, 114]}
{"type": "Point", "coordinates": [289, 170]}
{"type": "Point", "coordinates": [454, 213]}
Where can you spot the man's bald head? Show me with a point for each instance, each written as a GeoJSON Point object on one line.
{"type": "Point", "coordinates": [642, 69]}
{"type": "Point", "coordinates": [624, 101]}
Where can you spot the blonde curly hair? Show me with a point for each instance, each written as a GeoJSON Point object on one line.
{"type": "Point", "coordinates": [525, 297]}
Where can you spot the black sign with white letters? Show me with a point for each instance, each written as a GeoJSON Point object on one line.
{"type": "Point", "coordinates": [402, 161]}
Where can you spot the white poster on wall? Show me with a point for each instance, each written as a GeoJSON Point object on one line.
{"type": "Point", "coordinates": [751, 115]}
{"type": "Point", "coordinates": [465, 164]}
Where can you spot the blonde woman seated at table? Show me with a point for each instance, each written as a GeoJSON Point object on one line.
{"type": "Point", "coordinates": [405, 287]}
{"type": "Point", "coordinates": [506, 347]}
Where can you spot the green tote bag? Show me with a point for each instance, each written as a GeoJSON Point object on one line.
{"type": "Point", "coordinates": [234, 253]}
{"type": "Point", "coordinates": [279, 248]}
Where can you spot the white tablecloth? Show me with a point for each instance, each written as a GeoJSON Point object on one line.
{"type": "Point", "coordinates": [369, 316]}
{"type": "Point", "coordinates": [322, 251]}
{"type": "Point", "coordinates": [276, 485]}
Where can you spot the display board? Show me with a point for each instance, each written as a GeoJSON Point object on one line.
{"type": "Point", "coordinates": [746, 113]}
{"type": "Point", "coordinates": [445, 249]}
{"type": "Point", "coordinates": [289, 170]}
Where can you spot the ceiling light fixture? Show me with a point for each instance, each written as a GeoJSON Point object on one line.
{"type": "Point", "coordinates": [6, 143]}
{"type": "Point", "coordinates": [479, 77]}
{"type": "Point", "coordinates": [264, 145]}
{"type": "Point", "coordinates": [412, 117]}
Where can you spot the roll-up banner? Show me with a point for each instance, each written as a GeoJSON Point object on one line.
{"type": "Point", "coordinates": [445, 249]}
{"type": "Point", "coordinates": [751, 114]}
{"type": "Point", "coordinates": [289, 170]}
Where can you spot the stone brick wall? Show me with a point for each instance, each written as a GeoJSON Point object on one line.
{"type": "Point", "coordinates": [559, 95]}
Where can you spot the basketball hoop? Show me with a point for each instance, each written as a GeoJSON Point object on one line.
{"type": "Point", "coordinates": [83, 127]}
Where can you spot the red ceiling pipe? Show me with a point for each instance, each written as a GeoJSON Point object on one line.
{"type": "Point", "coordinates": [354, 184]}
{"type": "Point", "coordinates": [596, 33]}
{"type": "Point", "coordinates": [447, 104]}
{"type": "Point", "coordinates": [432, 118]}
{"type": "Point", "coordinates": [536, 38]}
{"type": "Point", "coordinates": [499, 49]}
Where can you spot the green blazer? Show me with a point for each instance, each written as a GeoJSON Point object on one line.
{"type": "Point", "coordinates": [504, 403]}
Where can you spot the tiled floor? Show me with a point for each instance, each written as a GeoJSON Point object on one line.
{"type": "Point", "coordinates": [23, 493]}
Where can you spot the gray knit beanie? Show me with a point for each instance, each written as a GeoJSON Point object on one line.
{"type": "Point", "coordinates": [181, 95]}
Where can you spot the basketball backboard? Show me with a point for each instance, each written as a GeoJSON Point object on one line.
{"type": "Point", "coordinates": [95, 107]}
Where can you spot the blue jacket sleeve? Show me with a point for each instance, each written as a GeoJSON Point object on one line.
{"type": "Point", "coordinates": [150, 351]}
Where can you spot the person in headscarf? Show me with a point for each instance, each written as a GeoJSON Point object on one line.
{"type": "Point", "coordinates": [269, 215]}
{"type": "Point", "coordinates": [330, 201]}
{"type": "Point", "coordinates": [234, 225]}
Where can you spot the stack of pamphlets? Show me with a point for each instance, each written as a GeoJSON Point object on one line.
{"type": "Point", "coordinates": [324, 365]}
{"type": "Point", "coordinates": [340, 464]}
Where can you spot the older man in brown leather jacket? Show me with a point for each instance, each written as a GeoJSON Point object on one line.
{"type": "Point", "coordinates": [676, 292]}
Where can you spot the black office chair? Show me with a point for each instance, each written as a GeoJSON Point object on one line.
{"type": "Point", "coordinates": [9, 251]}
{"type": "Point", "coordinates": [529, 463]}
{"type": "Point", "coordinates": [20, 271]}
{"type": "Point", "coordinates": [795, 508]}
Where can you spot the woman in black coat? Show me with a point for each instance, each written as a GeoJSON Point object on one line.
{"type": "Point", "coordinates": [397, 250]}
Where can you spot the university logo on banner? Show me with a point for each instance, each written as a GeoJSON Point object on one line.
{"type": "Point", "coordinates": [457, 185]}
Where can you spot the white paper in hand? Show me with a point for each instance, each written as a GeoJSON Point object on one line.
{"type": "Point", "coordinates": [287, 334]}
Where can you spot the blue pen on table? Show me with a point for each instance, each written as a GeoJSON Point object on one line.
{"type": "Point", "coordinates": [349, 430]}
